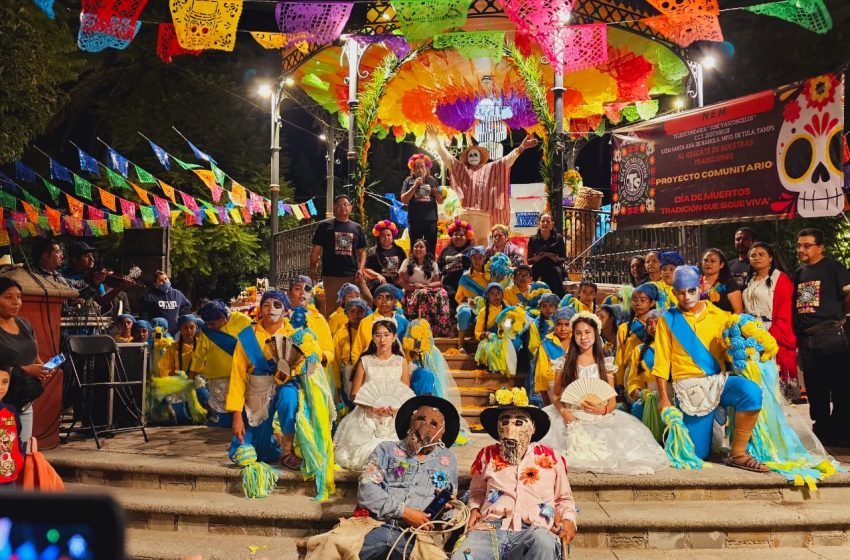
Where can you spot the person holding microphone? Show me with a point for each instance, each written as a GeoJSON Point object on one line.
{"type": "Point", "coordinates": [421, 193]}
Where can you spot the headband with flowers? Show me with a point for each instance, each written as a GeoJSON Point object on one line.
{"type": "Point", "coordinates": [588, 316]}
{"type": "Point", "coordinates": [415, 157]}
{"type": "Point", "coordinates": [385, 224]}
{"type": "Point", "coordinates": [461, 224]}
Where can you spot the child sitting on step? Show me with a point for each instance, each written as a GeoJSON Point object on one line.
{"type": "Point", "coordinates": [471, 286]}
{"type": "Point", "coordinates": [498, 328]}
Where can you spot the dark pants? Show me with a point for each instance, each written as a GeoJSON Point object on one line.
{"type": "Point", "coordinates": [426, 231]}
{"type": "Point", "coordinates": [827, 380]}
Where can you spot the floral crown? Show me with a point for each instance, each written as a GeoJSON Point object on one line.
{"type": "Point", "coordinates": [504, 397]}
{"type": "Point", "coordinates": [461, 224]}
{"type": "Point", "coordinates": [385, 224]}
{"type": "Point", "coordinates": [587, 315]}
{"type": "Point", "coordinates": [416, 157]}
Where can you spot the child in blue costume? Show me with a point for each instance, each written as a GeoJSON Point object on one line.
{"type": "Point", "coordinates": [256, 391]}
{"type": "Point", "coordinates": [471, 286]}
{"type": "Point", "coordinates": [689, 350]}
{"type": "Point", "coordinates": [498, 328]}
{"type": "Point", "coordinates": [540, 326]}
{"type": "Point", "coordinates": [669, 261]}
{"type": "Point", "coordinates": [641, 385]}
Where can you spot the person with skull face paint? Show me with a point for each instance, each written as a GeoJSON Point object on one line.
{"type": "Point", "coordinates": [481, 184]}
{"type": "Point", "coordinates": [401, 478]}
{"type": "Point", "coordinates": [257, 391]}
{"type": "Point", "coordinates": [689, 351]}
{"type": "Point", "coordinates": [520, 501]}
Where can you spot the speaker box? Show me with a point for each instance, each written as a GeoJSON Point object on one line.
{"type": "Point", "coordinates": [149, 249]}
{"type": "Point", "coordinates": [108, 409]}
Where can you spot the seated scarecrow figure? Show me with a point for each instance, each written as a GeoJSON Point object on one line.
{"type": "Point", "coordinates": [520, 501]}
{"type": "Point", "coordinates": [400, 481]}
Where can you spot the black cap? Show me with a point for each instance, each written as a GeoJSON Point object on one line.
{"type": "Point", "coordinates": [80, 248]}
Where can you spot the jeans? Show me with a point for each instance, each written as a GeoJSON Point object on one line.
{"type": "Point", "coordinates": [530, 543]}
{"type": "Point", "coordinates": [827, 381]}
{"type": "Point", "coordinates": [378, 541]}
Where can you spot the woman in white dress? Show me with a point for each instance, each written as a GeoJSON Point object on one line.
{"type": "Point", "coordinates": [595, 436]}
{"type": "Point", "coordinates": [381, 367]}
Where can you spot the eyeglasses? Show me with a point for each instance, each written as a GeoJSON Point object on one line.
{"type": "Point", "coordinates": [806, 246]}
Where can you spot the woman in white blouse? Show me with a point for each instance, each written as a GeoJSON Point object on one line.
{"type": "Point", "coordinates": [768, 297]}
{"type": "Point", "coordinates": [424, 295]}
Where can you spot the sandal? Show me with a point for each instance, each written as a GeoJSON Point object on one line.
{"type": "Point", "coordinates": [751, 464]}
{"type": "Point", "coordinates": [291, 462]}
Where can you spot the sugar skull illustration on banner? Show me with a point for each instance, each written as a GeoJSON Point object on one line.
{"type": "Point", "coordinates": [808, 150]}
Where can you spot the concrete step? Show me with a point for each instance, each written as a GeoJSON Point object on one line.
{"type": "Point", "coordinates": [480, 378]}
{"type": "Point", "coordinates": [168, 545]}
{"type": "Point", "coordinates": [612, 525]}
{"type": "Point", "coordinates": [143, 544]}
{"type": "Point", "coordinates": [461, 361]}
{"type": "Point", "coordinates": [444, 343]}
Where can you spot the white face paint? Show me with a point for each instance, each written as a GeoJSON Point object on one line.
{"type": "Point", "coordinates": [473, 157]}
{"type": "Point", "coordinates": [273, 310]}
{"type": "Point", "coordinates": [688, 299]}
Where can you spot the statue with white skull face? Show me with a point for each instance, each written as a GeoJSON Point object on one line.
{"type": "Point", "coordinates": [808, 150]}
{"type": "Point", "coordinates": [481, 184]}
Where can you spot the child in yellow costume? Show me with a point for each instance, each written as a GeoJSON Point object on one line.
{"type": "Point", "coordinates": [552, 351]}
{"type": "Point", "coordinates": [631, 333]}
{"type": "Point", "coordinates": [343, 367]}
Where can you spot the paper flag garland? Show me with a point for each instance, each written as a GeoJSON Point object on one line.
{"type": "Point", "coordinates": [52, 189]}
{"type": "Point", "coordinates": [118, 162]}
{"type": "Point", "coordinates": [218, 173]}
{"type": "Point", "coordinates": [82, 188]}
{"type": "Point", "coordinates": [95, 214]}
{"type": "Point", "coordinates": [31, 211]}
{"type": "Point", "coordinates": [75, 206]}
{"type": "Point", "coordinates": [161, 206]}
{"type": "Point", "coordinates": [116, 223]}
{"type": "Point", "coordinates": [148, 215]}
{"type": "Point", "coordinates": [60, 172]}
{"type": "Point", "coordinates": [809, 14]}
{"type": "Point", "coordinates": [167, 190]}
{"type": "Point", "coordinates": [199, 154]}
{"type": "Point", "coordinates": [237, 194]}
{"type": "Point", "coordinates": [115, 179]}
{"type": "Point", "coordinates": [312, 207]}
{"type": "Point", "coordinates": [474, 44]}
{"type": "Point", "coordinates": [322, 22]}
{"type": "Point", "coordinates": [167, 46]}
{"type": "Point", "coordinates": [422, 19]}
{"type": "Point", "coordinates": [23, 172]}
{"type": "Point", "coordinates": [54, 220]}
{"type": "Point", "coordinates": [206, 25]}
{"type": "Point", "coordinates": [144, 176]}
{"type": "Point", "coordinates": [189, 201]}
{"type": "Point", "coordinates": [107, 199]}
{"type": "Point", "coordinates": [142, 194]}
{"type": "Point", "coordinates": [161, 155]}
{"type": "Point", "coordinates": [128, 208]}
{"type": "Point", "coordinates": [90, 39]}
{"type": "Point", "coordinates": [45, 6]}
{"type": "Point", "coordinates": [88, 163]}
{"type": "Point", "coordinates": [185, 165]}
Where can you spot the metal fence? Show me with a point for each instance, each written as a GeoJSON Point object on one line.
{"type": "Point", "coordinates": [599, 254]}
{"type": "Point", "coordinates": [292, 248]}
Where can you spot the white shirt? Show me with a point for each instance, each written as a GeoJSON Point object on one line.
{"type": "Point", "coordinates": [758, 296]}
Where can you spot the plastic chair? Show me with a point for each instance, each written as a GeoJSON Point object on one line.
{"type": "Point", "coordinates": [97, 367]}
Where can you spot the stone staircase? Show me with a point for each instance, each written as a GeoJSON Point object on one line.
{"type": "Point", "coordinates": [475, 384]}
{"type": "Point", "coordinates": [180, 496]}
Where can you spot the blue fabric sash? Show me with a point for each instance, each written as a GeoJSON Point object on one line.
{"type": "Point", "coordinates": [221, 339]}
{"type": "Point", "coordinates": [553, 350]}
{"type": "Point", "coordinates": [251, 346]}
{"type": "Point", "coordinates": [639, 330]}
{"type": "Point", "coordinates": [687, 337]}
{"type": "Point", "coordinates": [649, 358]}
{"type": "Point", "coordinates": [467, 282]}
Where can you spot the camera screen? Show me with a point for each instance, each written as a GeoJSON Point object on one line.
{"type": "Point", "coordinates": [27, 540]}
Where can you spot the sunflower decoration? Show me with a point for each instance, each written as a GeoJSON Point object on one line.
{"type": "Point", "coordinates": [418, 338]}
{"type": "Point", "coordinates": [573, 181]}
{"type": "Point", "coordinates": [820, 91]}
{"type": "Point", "coordinates": [504, 397]}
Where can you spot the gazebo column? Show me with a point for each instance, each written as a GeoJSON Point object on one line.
{"type": "Point", "coordinates": [556, 189]}
{"type": "Point", "coordinates": [353, 53]}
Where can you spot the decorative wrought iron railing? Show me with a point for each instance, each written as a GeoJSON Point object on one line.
{"type": "Point", "coordinates": [292, 248]}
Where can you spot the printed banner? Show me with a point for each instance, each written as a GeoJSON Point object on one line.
{"type": "Point", "coordinates": [772, 154]}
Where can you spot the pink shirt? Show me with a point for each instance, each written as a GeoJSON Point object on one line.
{"type": "Point", "coordinates": [531, 492]}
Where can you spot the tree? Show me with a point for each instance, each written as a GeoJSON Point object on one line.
{"type": "Point", "coordinates": [37, 58]}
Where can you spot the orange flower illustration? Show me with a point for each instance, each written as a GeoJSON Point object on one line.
{"type": "Point", "coordinates": [529, 475]}
{"type": "Point", "coordinates": [545, 461]}
{"type": "Point", "coordinates": [499, 462]}
{"type": "Point", "coordinates": [820, 90]}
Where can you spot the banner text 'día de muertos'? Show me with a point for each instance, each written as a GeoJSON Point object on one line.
{"type": "Point", "coordinates": [776, 153]}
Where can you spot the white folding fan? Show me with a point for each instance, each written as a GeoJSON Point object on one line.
{"type": "Point", "coordinates": [590, 388]}
{"type": "Point", "coordinates": [384, 393]}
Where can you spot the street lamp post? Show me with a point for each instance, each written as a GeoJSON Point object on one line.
{"type": "Point", "coordinates": [274, 183]}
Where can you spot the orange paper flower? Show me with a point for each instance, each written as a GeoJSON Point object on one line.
{"type": "Point", "coordinates": [529, 476]}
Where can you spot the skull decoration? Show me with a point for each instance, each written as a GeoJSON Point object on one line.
{"type": "Point", "coordinates": [808, 150]}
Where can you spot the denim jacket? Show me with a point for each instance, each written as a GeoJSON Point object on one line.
{"type": "Point", "coordinates": [394, 478]}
